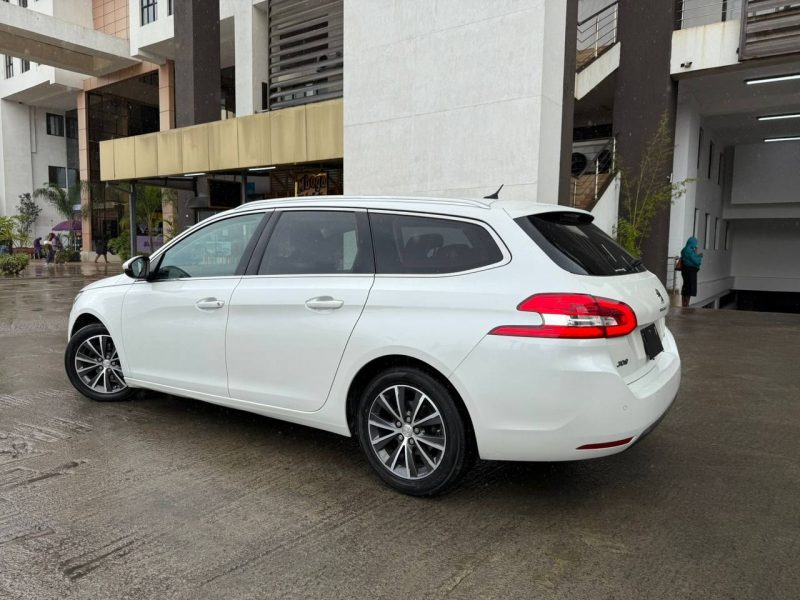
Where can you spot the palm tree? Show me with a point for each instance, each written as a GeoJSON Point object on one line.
{"type": "Point", "coordinates": [63, 200]}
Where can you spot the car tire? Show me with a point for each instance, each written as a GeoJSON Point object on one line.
{"type": "Point", "coordinates": [93, 366]}
{"type": "Point", "coordinates": [412, 432]}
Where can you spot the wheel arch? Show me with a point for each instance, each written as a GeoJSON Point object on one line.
{"type": "Point", "coordinates": [379, 364]}
{"type": "Point", "coordinates": [85, 319]}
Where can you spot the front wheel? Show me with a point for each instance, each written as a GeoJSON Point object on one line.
{"type": "Point", "coordinates": [93, 367]}
{"type": "Point", "coordinates": [411, 430]}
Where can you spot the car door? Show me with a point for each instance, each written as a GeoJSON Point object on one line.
{"type": "Point", "coordinates": [293, 312]}
{"type": "Point", "coordinates": [173, 324]}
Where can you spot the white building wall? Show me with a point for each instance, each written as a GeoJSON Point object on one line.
{"type": "Point", "coordinates": [251, 51]}
{"type": "Point", "coordinates": [15, 138]}
{"type": "Point", "coordinates": [704, 197]}
{"type": "Point", "coordinates": [766, 173]}
{"type": "Point", "coordinates": [705, 47]}
{"type": "Point", "coordinates": [78, 12]}
{"type": "Point", "coordinates": [428, 112]}
{"type": "Point", "coordinates": [27, 152]}
{"type": "Point", "coordinates": [606, 211]}
{"type": "Point", "coordinates": [765, 256]}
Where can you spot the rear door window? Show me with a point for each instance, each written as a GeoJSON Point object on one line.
{"type": "Point", "coordinates": [311, 242]}
{"type": "Point", "coordinates": [407, 245]}
{"type": "Point", "coordinates": [575, 244]}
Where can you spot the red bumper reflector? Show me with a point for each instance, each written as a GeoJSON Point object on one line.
{"type": "Point", "coordinates": [605, 444]}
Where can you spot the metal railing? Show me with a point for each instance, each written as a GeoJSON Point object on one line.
{"type": "Point", "coordinates": [694, 13]}
{"type": "Point", "coordinates": [594, 165]}
{"type": "Point", "coordinates": [596, 34]}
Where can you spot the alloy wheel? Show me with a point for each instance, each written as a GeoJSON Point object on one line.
{"type": "Point", "coordinates": [97, 365]}
{"type": "Point", "coordinates": [407, 432]}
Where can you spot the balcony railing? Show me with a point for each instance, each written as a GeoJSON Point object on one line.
{"type": "Point", "coordinates": [596, 34]}
{"type": "Point", "coordinates": [694, 13]}
{"type": "Point", "coordinates": [594, 165]}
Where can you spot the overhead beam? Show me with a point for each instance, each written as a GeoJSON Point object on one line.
{"type": "Point", "coordinates": [50, 41]}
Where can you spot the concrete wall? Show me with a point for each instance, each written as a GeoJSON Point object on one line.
{"type": "Point", "coordinates": [606, 211]}
{"type": "Point", "coordinates": [766, 173]}
{"type": "Point", "coordinates": [706, 47]}
{"type": "Point", "coordinates": [427, 110]}
{"type": "Point", "coordinates": [765, 256]}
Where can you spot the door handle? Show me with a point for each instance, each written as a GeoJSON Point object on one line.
{"type": "Point", "coordinates": [324, 303]}
{"type": "Point", "coordinates": [209, 304]}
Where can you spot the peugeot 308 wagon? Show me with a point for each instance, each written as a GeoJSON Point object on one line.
{"type": "Point", "coordinates": [435, 331]}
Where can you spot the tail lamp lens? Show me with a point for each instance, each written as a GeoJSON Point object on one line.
{"type": "Point", "coordinates": [573, 316]}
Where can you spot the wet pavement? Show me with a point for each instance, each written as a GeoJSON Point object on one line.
{"type": "Point", "coordinates": [163, 497]}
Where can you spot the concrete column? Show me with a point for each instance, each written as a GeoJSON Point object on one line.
{"type": "Point", "coordinates": [252, 56]}
{"type": "Point", "coordinates": [83, 161]}
{"type": "Point", "coordinates": [166, 95]}
{"type": "Point", "coordinates": [197, 62]}
{"type": "Point", "coordinates": [684, 166]}
{"type": "Point", "coordinates": [568, 102]}
{"type": "Point", "coordinates": [644, 92]}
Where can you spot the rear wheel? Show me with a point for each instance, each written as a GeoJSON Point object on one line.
{"type": "Point", "coordinates": [93, 366]}
{"type": "Point", "coordinates": [411, 430]}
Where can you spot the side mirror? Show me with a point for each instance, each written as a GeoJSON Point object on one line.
{"type": "Point", "coordinates": [137, 267]}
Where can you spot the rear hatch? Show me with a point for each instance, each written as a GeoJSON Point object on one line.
{"type": "Point", "coordinates": [603, 268]}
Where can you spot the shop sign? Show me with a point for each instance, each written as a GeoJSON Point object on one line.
{"type": "Point", "coordinates": [311, 184]}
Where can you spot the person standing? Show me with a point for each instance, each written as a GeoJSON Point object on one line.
{"type": "Point", "coordinates": [37, 248]}
{"type": "Point", "coordinates": [692, 260]}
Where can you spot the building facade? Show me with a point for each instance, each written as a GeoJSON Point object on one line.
{"type": "Point", "coordinates": [225, 101]}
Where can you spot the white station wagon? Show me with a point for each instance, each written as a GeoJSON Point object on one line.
{"type": "Point", "coordinates": [433, 330]}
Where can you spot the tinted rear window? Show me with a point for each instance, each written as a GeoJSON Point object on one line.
{"type": "Point", "coordinates": [575, 244]}
{"type": "Point", "coordinates": [427, 245]}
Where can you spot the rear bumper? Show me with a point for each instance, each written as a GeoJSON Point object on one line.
{"type": "Point", "coordinates": [535, 400]}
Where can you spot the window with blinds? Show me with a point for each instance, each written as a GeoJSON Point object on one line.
{"type": "Point", "coordinates": [305, 52]}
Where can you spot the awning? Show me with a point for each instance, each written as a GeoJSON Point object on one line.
{"type": "Point", "coordinates": [300, 134]}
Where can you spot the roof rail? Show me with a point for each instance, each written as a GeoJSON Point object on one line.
{"type": "Point", "coordinates": [415, 199]}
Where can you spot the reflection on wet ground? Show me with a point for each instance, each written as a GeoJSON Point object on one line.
{"type": "Point", "coordinates": [171, 498]}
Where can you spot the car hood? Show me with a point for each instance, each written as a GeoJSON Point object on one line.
{"type": "Point", "coordinates": [120, 279]}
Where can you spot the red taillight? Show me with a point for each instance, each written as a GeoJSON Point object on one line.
{"type": "Point", "coordinates": [574, 316]}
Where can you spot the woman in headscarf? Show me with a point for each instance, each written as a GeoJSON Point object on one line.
{"type": "Point", "coordinates": [691, 259]}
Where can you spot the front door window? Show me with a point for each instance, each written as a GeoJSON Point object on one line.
{"type": "Point", "coordinates": [214, 251]}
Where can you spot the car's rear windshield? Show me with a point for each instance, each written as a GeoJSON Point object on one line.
{"type": "Point", "coordinates": [575, 244]}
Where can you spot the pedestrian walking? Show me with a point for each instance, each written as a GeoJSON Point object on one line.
{"type": "Point", "coordinates": [691, 260]}
{"type": "Point", "coordinates": [38, 252]}
{"type": "Point", "coordinates": [50, 248]}
{"type": "Point", "coordinates": [101, 249]}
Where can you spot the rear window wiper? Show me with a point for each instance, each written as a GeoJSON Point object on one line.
{"type": "Point", "coordinates": [634, 265]}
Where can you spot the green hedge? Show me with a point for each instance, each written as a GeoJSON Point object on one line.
{"type": "Point", "coordinates": [13, 264]}
{"type": "Point", "coordinates": [63, 256]}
